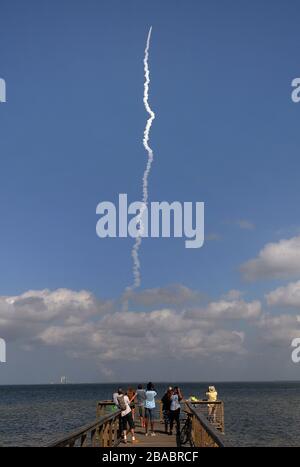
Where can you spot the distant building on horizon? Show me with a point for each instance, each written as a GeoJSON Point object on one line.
{"type": "Point", "coordinates": [63, 380]}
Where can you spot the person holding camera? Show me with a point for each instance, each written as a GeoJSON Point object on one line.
{"type": "Point", "coordinates": [176, 397]}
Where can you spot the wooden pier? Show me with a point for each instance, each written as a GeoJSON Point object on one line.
{"type": "Point", "coordinates": [161, 439]}
{"type": "Point", "coordinates": [198, 429]}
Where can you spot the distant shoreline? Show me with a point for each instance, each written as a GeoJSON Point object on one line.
{"type": "Point", "coordinates": [156, 382]}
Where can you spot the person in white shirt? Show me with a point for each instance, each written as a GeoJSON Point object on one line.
{"type": "Point", "coordinates": [150, 395]}
{"type": "Point", "coordinates": [176, 397]}
{"type": "Point", "coordinates": [126, 415]}
{"type": "Point", "coordinates": [115, 397]}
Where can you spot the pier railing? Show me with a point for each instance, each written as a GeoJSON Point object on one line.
{"type": "Point", "coordinates": [104, 432]}
{"type": "Point", "coordinates": [105, 407]}
{"type": "Point", "coordinates": [207, 426]}
{"type": "Point", "coordinates": [212, 411]}
{"type": "Point", "coordinates": [204, 434]}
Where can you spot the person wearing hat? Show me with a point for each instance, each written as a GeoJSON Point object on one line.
{"type": "Point", "coordinates": [212, 396]}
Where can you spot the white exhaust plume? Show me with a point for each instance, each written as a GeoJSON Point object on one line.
{"type": "Point", "coordinates": [138, 241]}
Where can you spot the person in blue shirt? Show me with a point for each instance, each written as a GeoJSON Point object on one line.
{"type": "Point", "coordinates": [150, 395]}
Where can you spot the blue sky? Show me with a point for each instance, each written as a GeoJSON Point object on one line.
{"type": "Point", "coordinates": [226, 132]}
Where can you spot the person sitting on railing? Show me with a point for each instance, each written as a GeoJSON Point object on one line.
{"type": "Point", "coordinates": [212, 396]}
{"type": "Point", "coordinates": [175, 409]}
{"type": "Point", "coordinates": [166, 407]}
{"type": "Point", "coordinates": [126, 415]}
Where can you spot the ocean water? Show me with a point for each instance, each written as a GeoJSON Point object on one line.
{"type": "Point", "coordinates": [256, 414]}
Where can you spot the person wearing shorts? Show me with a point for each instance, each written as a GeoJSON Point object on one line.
{"type": "Point", "coordinates": [140, 402]}
{"type": "Point", "coordinates": [126, 415]}
{"type": "Point", "coordinates": [150, 395]}
{"type": "Point", "coordinates": [127, 420]}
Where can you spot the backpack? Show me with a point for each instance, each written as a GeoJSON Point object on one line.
{"type": "Point", "coordinates": [121, 402]}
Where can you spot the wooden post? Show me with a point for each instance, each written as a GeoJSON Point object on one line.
{"type": "Point", "coordinates": [222, 418]}
{"type": "Point", "coordinates": [107, 434]}
{"type": "Point", "coordinates": [110, 433]}
{"type": "Point", "coordinates": [101, 433]}
{"type": "Point", "coordinates": [100, 412]}
{"type": "Point", "coordinates": [93, 437]}
{"type": "Point", "coordinates": [104, 435]}
{"type": "Point", "coordinates": [119, 431]}
{"type": "Point", "coordinates": [83, 440]}
{"type": "Point", "coordinates": [161, 416]}
{"type": "Point", "coordinates": [113, 432]}
{"type": "Point", "coordinates": [97, 439]}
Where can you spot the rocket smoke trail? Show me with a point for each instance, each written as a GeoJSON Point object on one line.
{"type": "Point", "coordinates": [138, 241]}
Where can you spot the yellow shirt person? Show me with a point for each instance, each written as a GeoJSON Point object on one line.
{"type": "Point", "coordinates": [212, 396]}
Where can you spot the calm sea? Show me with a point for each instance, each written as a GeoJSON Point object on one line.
{"type": "Point", "coordinates": [256, 414]}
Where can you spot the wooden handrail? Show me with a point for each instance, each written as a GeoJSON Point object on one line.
{"type": "Point", "coordinates": [204, 433]}
{"type": "Point", "coordinates": [204, 402]}
{"type": "Point", "coordinates": [103, 432]}
{"type": "Point", "coordinates": [102, 407]}
{"type": "Point", "coordinates": [213, 411]}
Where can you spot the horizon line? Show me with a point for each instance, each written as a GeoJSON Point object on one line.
{"type": "Point", "coordinates": [155, 382]}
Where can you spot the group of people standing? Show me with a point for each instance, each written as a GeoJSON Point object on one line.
{"type": "Point", "coordinates": [144, 400]}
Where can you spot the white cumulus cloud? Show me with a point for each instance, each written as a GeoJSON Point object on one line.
{"type": "Point", "coordinates": [280, 329]}
{"type": "Point", "coordinates": [288, 295]}
{"type": "Point", "coordinates": [82, 326]}
{"type": "Point", "coordinates": [275, 261]}
{"type": "Point", "coordinates": [228, 309]}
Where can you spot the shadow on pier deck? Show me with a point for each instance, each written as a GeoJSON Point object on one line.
{"type": "Point", "coordinates": [161, 439]}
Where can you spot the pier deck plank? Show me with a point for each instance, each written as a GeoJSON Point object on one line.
{"type": "Point", "coordinates": [160, 440]}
